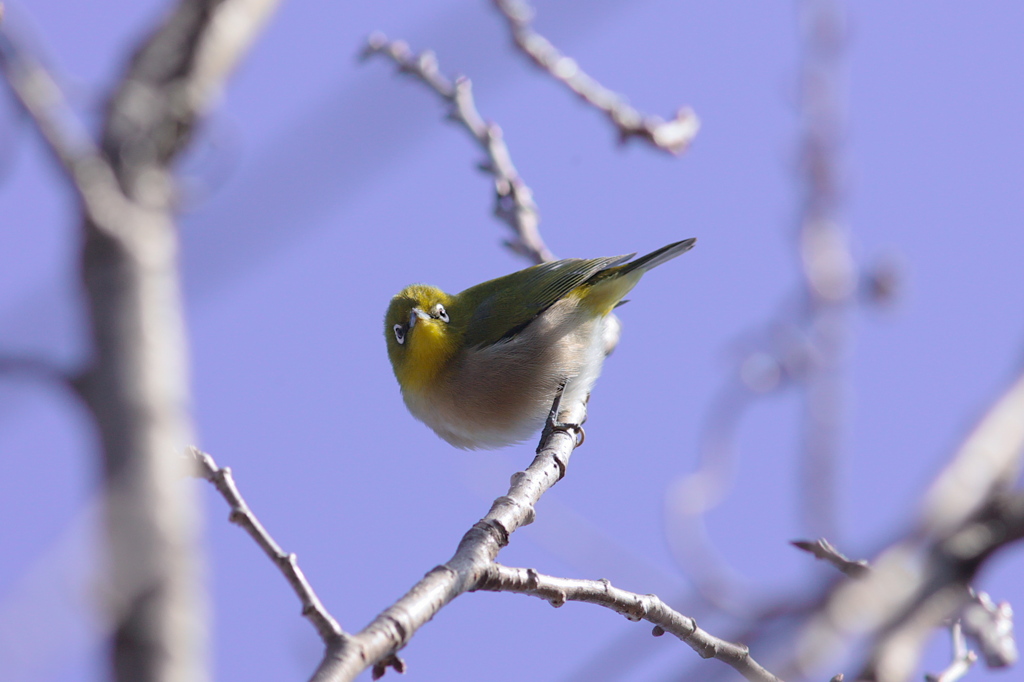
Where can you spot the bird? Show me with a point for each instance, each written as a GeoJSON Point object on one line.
{"type": "Point", "coordinates": [482, 367]}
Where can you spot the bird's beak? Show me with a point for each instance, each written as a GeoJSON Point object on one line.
{"type": "Point", "coordinates": [417, 314]}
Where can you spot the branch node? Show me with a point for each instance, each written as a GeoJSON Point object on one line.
{"type": "Point", "coordinates": [375, 42]}
{"type": "Point", "coordinates": [558, 599]}
{"type": "Point", "coordinates": [389, 661]}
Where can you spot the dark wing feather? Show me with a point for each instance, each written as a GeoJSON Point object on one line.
{"type": "Point", "coordinates": [501, 308]}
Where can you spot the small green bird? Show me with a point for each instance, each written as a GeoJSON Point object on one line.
{"type": "Point", "coordinates": [481, 368]}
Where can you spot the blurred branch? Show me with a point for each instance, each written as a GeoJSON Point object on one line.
{"type": "Point", "coordinates": [827, 265]}
{"type": "Point", "coordinates": [90, 173]}
{"type": "Point", "coordinates": [823, 549]}
{"type": "Point", "coordinates": [378, 643]}
{"type": "Point", "coordinates": [312, 608]}
{"type": "Point", "coordinates": [923, 581]}
{"type": "Point", "coordinates": [635, 607]}
{"type": "Point", "coordinates": [990, 626]}
{"type": "Point", "coordinates": [136, 386]}
{"type": "Point", "coordinates": [172, 78]}
{"type": "Point", "coordinates": [800, 346]}
{"type": "Point", "coordinates": [963, 658]}
{"type": "Point", "coordinates": [39, 368]}
{"type": "Point", "coordinates": [513, 201]}
{"type": "Point", "coordinates": [673, 136]}
{"type": "Point", "coordinates": [690, 497]}
{"type": "Point", "coordinates": [989, 461]}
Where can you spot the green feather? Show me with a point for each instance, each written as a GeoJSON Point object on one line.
{"type": "Point", "coordinates": [497, 310]}
{"type": "Point", "coordinates": [501, 308]}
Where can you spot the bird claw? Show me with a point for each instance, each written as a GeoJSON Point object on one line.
{"type": "Point", "coordinates": [574, 430]}
{"type": "Point", "coordinates": [554, 424]}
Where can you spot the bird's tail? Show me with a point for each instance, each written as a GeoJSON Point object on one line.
{"type": "Point", "coordinates": [656, 258]}
{"type": "Point", "coordinates": [606, 290]}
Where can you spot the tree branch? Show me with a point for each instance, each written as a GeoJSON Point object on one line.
{"type": "Point", "coordinates": [38, 368]}
{"type": "Point", "coordinates": [136, 386]}
{"type": "Point", "coordinates": [378, 643]}
{"type": "Point", "coordinates": [312, 608]}
{"type": "Point", "coordinates": [91, 175]}
{"type": "Point", "coordinates": [513, 201]}
{"type": "Point", "coordinates": [963, 658]}
{"type": "Point", "coordinates": [827, 266]}
{"type": "Point", "coordinates": [673, 136]}
{"type": "Point", "coordinates": [635, 607]}
{"type": "Point", "coordinates": [990, 626]}
{"type": "Point", "coordinates": [923, 581]}
{"type": "Point", "coordinates": [824, 550]}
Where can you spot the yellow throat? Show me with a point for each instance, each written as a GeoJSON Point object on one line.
{"type": "Point", "coordinates": [430, 347]}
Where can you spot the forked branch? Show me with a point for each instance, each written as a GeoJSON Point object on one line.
{"type": "Point", "coordinates": [673, 136]}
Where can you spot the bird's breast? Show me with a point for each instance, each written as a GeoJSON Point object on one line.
{"type": "Point", "coordinates": [499, 394]}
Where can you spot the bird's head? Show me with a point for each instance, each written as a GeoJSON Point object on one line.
{"type": "Point", "coordinates": [420, 339]}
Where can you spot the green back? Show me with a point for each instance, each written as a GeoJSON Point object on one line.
{"type": "Point", "coordinates": [498, 309]}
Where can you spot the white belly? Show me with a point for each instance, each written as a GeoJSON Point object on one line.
{"type": "Point", "coordinates": [501, 394]}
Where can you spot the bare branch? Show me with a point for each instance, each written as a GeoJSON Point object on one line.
{"type": "Point", "coordinates": [827, 265]}
{"type": "Point", "coordinates": [513, 201]}
{"type": "Point", "coordinates": [90, 174]}
{"type": "Point", "coordinates": [801, 346]}
{"type": "Point", "coordinates": [989, 460]}
{"type": "Point", "coordinates": [173, 77]}
{"type": "Point", "coordinates": [673, 136]}
{"type": "Point", "coordinates": [312, 608]}
{"type": "Point", "coordinates": [39, 368]}
{"type": "Point", "coordinates": [990, 625]}
{"type": "Point", "coordinates": [922, 581]}
{"type": "Point", "coordinates": [635, 607]}
{"type": "Point", "coordinates": [824, 550]}
{"type": "Point", "coordinates": [137, 386]}
{"type": "Point", "coordinates": [963, 658]}
{"type": "Point", "coordinates": [377, 644]}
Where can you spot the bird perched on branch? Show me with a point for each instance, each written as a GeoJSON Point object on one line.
{"type": "Point", "coordinates": [482, 368]}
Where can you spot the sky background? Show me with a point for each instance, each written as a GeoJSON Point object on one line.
{"type": "Point", "coordinates": [321, 186]}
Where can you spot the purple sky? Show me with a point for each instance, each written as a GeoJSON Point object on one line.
{"type": "Point", "coordinates": [322, 186]}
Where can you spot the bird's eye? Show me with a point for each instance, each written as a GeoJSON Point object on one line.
{"type": "Point", "coordinates": [440, 313]}
{"type": "Point", "coordinates": [399, 333]}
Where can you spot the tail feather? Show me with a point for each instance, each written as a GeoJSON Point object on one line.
{"type": "Point", "coordinates": [656, 258]}
{"type": "Point", "coordinates": [605, 291]}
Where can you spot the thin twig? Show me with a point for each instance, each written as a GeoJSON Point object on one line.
{"type": "Point", "coordinates": [378, 643]}
{"type": "Point", "coordinates": [673, 136]}
{"type": "Point", "coordinates": [513, 202]}
{"type": "Point", "coordinates": [824, 550]}
{"type": "Point", "coordinates": [990, 626]}
{"type": "Point", "coordinates": [39, 368]}
{"type": "Point", "coordinates": [312, 608]}
{"type": "Point", "coordinates": [963, 658]}
{"type": "Point", "coordinates": [635, 607]}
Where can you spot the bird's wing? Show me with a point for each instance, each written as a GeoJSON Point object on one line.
{"type": "Point", "coordinates": [501, 308]}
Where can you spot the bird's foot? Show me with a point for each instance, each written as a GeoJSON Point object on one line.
{"type": "Point", "coordinates": [574, 430]}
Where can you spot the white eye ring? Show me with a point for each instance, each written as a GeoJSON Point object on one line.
{"type": "Point", "coordinates": [399, 334]}
{"type": "Point", "coordinates": [440, 313]}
